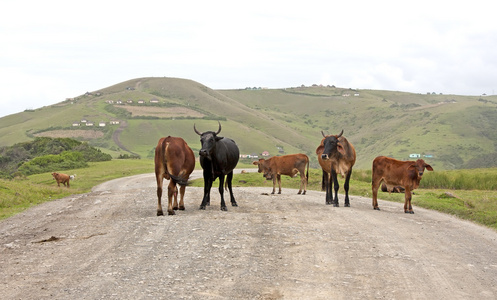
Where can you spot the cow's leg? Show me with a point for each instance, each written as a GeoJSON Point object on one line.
{"type": "Point", "coordinates": [326, 183]}
{"type": "Point", "coordinates": [159, 194]}
{"type": "Point", "coordinates": [207, 190]}
{"type": "Point", "coordinates": [172, 192]}
{"type": "Point", "coordinates": [68, 185]}
{"type": "Point", "coordinates": [346, 187]}
{"type": "Point", "coordinates": [182, 197]}
{"type": "Point", "coordinates": [407, 202]}
{"type": "Point", "coordinates": [279, 183]}
{"type": "Point", "coordinates": [230, 188]}
{"type": "Point", "coordinates": [274, 184]}
{"type": "Point", "coordinates": [375, 186]}
{"type": "Point", "coordinates": [337, 186]}
{"type": "Point", "coordinates": [303, 183]}
{"type": "Point", "coordinates": [221, 193]}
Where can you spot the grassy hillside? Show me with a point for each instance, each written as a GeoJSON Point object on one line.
{"type": "Point", "coordinates": [455, 130]}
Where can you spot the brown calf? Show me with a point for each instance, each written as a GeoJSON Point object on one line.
{"type": "Point", "coordinates": [289, 165]}
{"type": "Point", "coordinates": [392, 172]}
{"type": "Point", "coordinates": [174, 161]}
{"type": "Point", "coordinates": [61, 178]}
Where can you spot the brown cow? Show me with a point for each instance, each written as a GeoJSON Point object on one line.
{"type": "Point", "coordinates": [289, 165]}
{"type": "Point", "coordinates": [392, 172]}
{"type": "Point", "coordinates": [61, 178]}
{"type": "Point", "coordinates": [174, 161]}
{"type": "Point", "coordinates": [336, 156]}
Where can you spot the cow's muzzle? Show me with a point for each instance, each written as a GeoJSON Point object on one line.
{"type": "Point", "coordinates": [325, 156]}
{"type": "Point", "coordinates": [203, 153]}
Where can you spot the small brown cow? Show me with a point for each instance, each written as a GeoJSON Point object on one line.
{"type": "Point", "coordinates": [289, 165]}
{"type": "Point", "coordinates": [174, 161]}
{"type": "Point", "coordinates": [393, 172]}
{"type": "Point", "coordinates": [61, 178]}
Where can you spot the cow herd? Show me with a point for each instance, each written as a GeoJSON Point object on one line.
{"type": "Point", "coordinates": [175, 161]}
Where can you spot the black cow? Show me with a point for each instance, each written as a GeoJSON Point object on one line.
{"type": "Point", "coordinates": [218, 157]}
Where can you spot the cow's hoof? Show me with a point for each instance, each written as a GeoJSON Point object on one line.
{"type": "Point", "coordinates": [272, 193]}
{"type": "Point", "coordinates": [175, 208]}
{"type": "Point", "coordinates": [303, 193]}
{"type": "Point", "coordinates": [171, 212]}
{"type": "Point", "coordinates": [328, 203]}
{"type": "Point", "coordinates": [224, 208]}
{"type": "Point", "coordinates": [181, 208]}
{"type": "Point", "coordinates": [279, 193]}
{"type": "Point", "coordinates": [234, 204]}
{"type": "Point", "coordinates": [300, 192]}
{"type": "Point", "coordinates": [376, 208]}
{"type": "Point", "coordinates": [202, 207]}
{"type": "Point", "coordinates": [336, 205]}
{"type": "Point", "coordinates": [409, 212]}
{"type": "Point", "coordinates": [160, 213]}
{"type": "Point", "coordinates": [347, 205]}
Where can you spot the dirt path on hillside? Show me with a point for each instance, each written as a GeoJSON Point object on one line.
{"type": "Point", "coordinates": [109, 244]}
{"type": "Point", "coordinates": [117, 134]}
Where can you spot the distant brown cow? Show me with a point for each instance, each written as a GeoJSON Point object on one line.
{"type": "Point", "coordinates": [289, 165]}
{"type": "Point", "coordinates": [392, 172]}
{"type": "Point", "coordinates": [61, 178]}
{"type": "Point", "coordinates": [174, 161]}
{"type": "Point", "coordinates": [336, 156]}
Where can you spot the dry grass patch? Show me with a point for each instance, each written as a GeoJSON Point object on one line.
{"type": "Point", "coordinates": [85, 134]}
{"type": "Point", "coordinates": [163, 112]}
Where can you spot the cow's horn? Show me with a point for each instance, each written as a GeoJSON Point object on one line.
{"type": "Point", "coordinates": [196, 129]}
{"type": "Point", "coordinates": [340, 134]}
{"type": "Point", "coordinates": [219, 130]}
{"type": "Point", "coordinates": [324, 135]}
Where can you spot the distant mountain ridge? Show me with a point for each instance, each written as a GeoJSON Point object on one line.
{"type": "Point", "coordinates": [449, 131]}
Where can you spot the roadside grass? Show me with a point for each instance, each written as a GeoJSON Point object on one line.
{"type": "Point", "coordinates": [441, 191]}
{"type": "Point", "coordinates": [472, 203]}
{"type": "Point", "coordinates": [22, 193]}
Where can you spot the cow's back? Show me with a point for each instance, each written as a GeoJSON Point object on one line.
{"type": "Point", "coordinates": [227, 154]}
{"type": "Point", "coordinates": [392, 171]}
{"type": "Point", "coordinates": [174, 154]}
{"type": "Point", "coordinates": [287, 164]}
{"type": "Point", "coordinates": [178, 149]}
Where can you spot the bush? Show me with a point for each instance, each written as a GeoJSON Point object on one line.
{"type": "Point", "coordinates": [49, 163]}
{"type": "Point", "coordinates": [47, 154]}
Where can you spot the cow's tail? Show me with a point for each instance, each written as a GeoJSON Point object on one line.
{"type": "Point", "coordinates": [307, 173]}
{"type": "Point", "coordinates": [179, 180]}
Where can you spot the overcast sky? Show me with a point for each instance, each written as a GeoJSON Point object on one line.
{"type": "Point", "coordinates": [53, 50]}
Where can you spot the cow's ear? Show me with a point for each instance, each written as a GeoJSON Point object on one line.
{"type": "Point", "coordinates": [428, 167]}
{"type": "Point", "coordinates": [319, 149]}
{"type": "Point", "coordinates": [340, 148]}
{"type": "Point", "coordinates": [219, 138]}
{"type": "Point", "coordinates": [255, 163]}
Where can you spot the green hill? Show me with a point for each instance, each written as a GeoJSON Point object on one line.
{"type": "Point", "coordinates": [451, 131]}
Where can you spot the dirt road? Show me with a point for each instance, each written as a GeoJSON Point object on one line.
{"type": "Point", "coordinates": [109, 244]}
